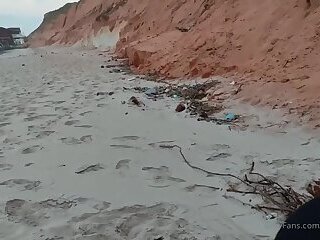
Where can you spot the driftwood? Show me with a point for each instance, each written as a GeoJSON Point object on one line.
{"type": "Point", "coordinates": [279, 198]}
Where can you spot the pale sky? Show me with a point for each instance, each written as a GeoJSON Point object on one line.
{"type": "Point", "coordinates": [27, 14]}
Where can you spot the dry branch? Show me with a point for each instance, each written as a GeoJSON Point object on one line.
{"type": "Point", "coordinates": [282, 199]}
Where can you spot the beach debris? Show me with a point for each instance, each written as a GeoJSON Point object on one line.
{"type": "Point", "coordinates": [272, 215]}
{"type": "Point", "coordinates": [230, 117]}
{"type": "Point", "coordinates": [277, 198]}
{"type": "Point", "coordinates": [91, 168]}
{"type": "Point", "coordinates": [135, 101]}
{"type": "Point", "coordinates": [102, 66]}
{"type": "Point", "coordinates": [196, 98]}
{"type": "Point", "coordinates": [152, 92]}
{"type": "Point", "coordinates": [180, 108]}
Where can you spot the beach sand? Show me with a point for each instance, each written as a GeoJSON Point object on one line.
{"type": "Point", "coordinates": [75, 164]}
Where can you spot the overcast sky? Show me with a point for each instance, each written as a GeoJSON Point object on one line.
{"type": "Point", "coordinates": [27, 14]}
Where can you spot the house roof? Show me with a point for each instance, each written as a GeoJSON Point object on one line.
{"type": "Point", "coordinates": [14, 30]}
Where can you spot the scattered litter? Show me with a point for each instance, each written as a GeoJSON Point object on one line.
{"type": "Point", "coordinates": [175, 96]}
{"type": "Point", "coordinates": [181, 107]}
{"type": "Point", "coordinates": [152, 92]}
{"type": "Point", "coordinates": [271, 216]}
{"type": "Point", "coordinates": [196, 100]}
{"type": "Point", "coordinates": [230, 117]}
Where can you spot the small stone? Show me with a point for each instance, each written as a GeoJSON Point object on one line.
{"type": "Point", "coordinates": [203, 115]}
{"type": "Point", "coordinates": [102, 66]}
{"type": "Point", "coordinates": [181, 107]}
{"type": "Point", "coordinates": [134, 100]}
{"type": "Point", "coordinates": [111, 93]}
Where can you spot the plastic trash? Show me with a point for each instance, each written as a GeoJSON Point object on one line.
{"type": "Point", "coordinates": [230, 117]}
{"type": "Point", "coordinates": [151, 92]}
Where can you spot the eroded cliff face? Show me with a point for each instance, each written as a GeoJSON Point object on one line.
{"type": "Point", "coordinates": [272, 45]}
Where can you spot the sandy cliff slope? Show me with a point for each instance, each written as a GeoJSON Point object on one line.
{"type": "Point", "coordinates": [272, 45]}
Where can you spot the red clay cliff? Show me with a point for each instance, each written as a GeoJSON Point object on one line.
{"type": "Point", "coordinates": [271, 47]}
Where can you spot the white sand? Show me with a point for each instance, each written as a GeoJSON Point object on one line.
{"type": "Point", "coordinates": [52, 125]}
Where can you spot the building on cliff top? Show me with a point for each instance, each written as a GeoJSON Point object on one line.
{"type": "Point", "coordinates": [6, 38]}
{"type": "Point", "coordinates": [18, 37]}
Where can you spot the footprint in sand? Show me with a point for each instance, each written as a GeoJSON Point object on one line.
{"type": "Point", "coordinates": [21, 184]}
{"type": "Point", "coordinates": [124, 146]}
{"type": "Point", "coordinates": [282, 162]}
{"type": "Point", "coordinates": [43, 134]}
{"type": "Point", "coordinates": [32, 149]}
{"type": "Point", "coordinates": [86, 139]}
{"type": "Point", "coordinates": [123, 164]}
{"type": "Point", "coordinates": [28, 164]}
{"type": "Point", "coordinates": [162, 176]}
{"type": "Point", "coordinates": [9, 114]}
{"type": "Point", "coordinates": [153, 222]}
{"type": "Point", "coordinates": [70, 141]}
{"type": "Point", "coordinates": [89, 168]}
{"type": "Point", "coordinates": [35, 213]}
{"type": "Point", "coordinates": [218, 147]}
{"type": "Point", "coordinates": [126, 138]}
{"type": "Point", "coordinates": [218, 156]}
{"type": "Point", "coordinates": [83, 126]}
{"type": "Point", "coordinates": [71, 122]}
{"type": "Point", "coordinates": [85, 113]}
{"type": "Point", "coordinates": [101, 105]}
{"type": "Point", "coordinates": [5, 166]}
{"type": "Point", "coordinates": [74, 141]}
{"type": "Point", "coordinates": [4, 124]}
{"type": "Point", "coordinates": [200, 187]}
{"type": "Point", "coordinates": [33, 118]}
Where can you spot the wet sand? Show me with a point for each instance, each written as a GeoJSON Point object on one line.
{"type": "Point", "coordinates": [77, 165]}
